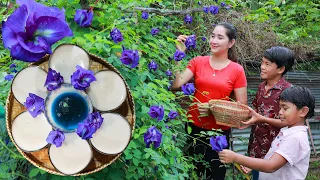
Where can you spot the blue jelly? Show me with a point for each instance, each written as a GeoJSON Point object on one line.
{"type": "Point", "coordinates": [69, 109]}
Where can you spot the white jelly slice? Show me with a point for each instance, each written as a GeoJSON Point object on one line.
{"type": "Point", "coordinates": [65, 58]}
{"type": "Point", "coordinates": [113, 136]}
{"type": "Point", "coordinates": [108, 92]}
{"type": "Point", "coordinates": [30, 133]}
{"type": "Point", "coordinates": [29, 80]}
{"type": "Point", "coordinates": [72, 156]}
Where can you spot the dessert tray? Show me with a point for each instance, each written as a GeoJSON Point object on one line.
{"type": "Point", "coordinates": [109, 95]}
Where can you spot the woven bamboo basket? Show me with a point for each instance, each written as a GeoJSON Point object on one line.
{"type": "Point", "coordinates": [229, 113]}
{"type": "Point", "coordinates": [40, 158]}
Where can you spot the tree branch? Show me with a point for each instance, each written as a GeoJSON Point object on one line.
{"type": "Point", "coordinates": [165, 12]}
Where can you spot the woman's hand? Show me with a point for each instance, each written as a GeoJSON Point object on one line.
{"type": "Point", "coordinates": [181, 39]}
{"type": "Point", "coordinates": [203, 108]}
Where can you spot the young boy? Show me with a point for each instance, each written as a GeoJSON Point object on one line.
{"type": "Point", "coordinates": [288, 157]}
{"type": "Point", "coordinates": [275, 63]}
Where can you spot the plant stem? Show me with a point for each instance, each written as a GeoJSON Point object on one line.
{"type": "Point", "coordinates": [5, 146]}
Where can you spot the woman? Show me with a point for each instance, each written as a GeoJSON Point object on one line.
{"type": "Point", "coordinates": [215, 77]}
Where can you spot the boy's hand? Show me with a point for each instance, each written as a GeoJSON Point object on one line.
{"type": "Point", "coordinates": [227, 156]}
{"type": "Point", "coordinates": [255, 117]}
{"type": "Point", "coordinates": [246, 170]}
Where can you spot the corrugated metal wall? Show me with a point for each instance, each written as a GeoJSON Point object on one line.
{"type": "Point", "coordinates": [310, 80]}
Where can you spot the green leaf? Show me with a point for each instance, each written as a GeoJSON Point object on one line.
{"type": "Point", "coordinates": [135, 161]}
{"type": "Point", "coordinates": [140, 171]}
{"type": "Point", "coordinates": [34, 172]}
{"type": "Point", "coordinates": [189, 129]}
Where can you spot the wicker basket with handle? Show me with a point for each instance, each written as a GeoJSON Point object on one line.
{"type": "Point", "coordinates": [229, 113]}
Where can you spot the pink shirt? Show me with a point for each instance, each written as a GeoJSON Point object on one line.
{"type": "Point", "coordinates": [293, 145]}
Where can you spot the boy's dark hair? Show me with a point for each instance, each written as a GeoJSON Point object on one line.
{"type": "Point", "coordinates": [282, 56]}
{"type": "Point", "coordinates": [299, 96]}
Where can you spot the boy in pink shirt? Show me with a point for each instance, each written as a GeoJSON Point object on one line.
{"type": "Point", "coordinates": [289, 154]}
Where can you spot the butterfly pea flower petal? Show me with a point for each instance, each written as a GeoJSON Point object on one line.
{"type": "Point", "coordinates": [116, 35]}
{"type": "Point", "coordinates": [179, 55]}
{"type": "Point", "coordinates": [34, 104]}
{"type": "Point", "coordinates": [188, 19]}
{"type": "Point", "coordinates": [9, 77]}
{"type": "Point", "coordinates": [152, 135]}
{"type": "Point", "coordinates": [154, 31]}
{"type": "Point", "coordinates": [31, 30]}
{"type": "Point", "coordinates": [130, 57]}
{"type": "Point", "coordinates": [153, 66]}
{"type": "Point", "coordinates": [188, 89]}
{"type": "Point", "coordinates": [56, 137]}
{"type": "Point", "coordinates": [156, 112]}
{"type": "Point", "coordinates": [82, 78]}
{"type": "Point", "coordinates": [89, 126]}
{"type": "Point", "coordinates": [54, 80]}
{"type": "Point", "coordinates": [83, 17]}
{"type": "Point", "coordinates": [144, 15]}
{"type": "Point", "coordinates": [191, 42]}
{"type": "Point", "coordinates": [214, 9]}
{"type": "Point", "coordinates": [218, 143]}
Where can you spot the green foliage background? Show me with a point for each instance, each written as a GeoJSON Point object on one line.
{"type": "Point", "coordinates": [294, 22]}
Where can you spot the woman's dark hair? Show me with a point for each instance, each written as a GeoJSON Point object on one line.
{"type": "Point", "coordinates": [282, 56]}
{"type": "Point", "coordinates": [232, 34]}
{"type": "Point", "coordinates": [300, 97]}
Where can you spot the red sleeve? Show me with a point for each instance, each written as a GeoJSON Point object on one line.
{"type": "Point", "coordinates": [241, 80]}
{"type": "Point", "coordinates": [192, 65]}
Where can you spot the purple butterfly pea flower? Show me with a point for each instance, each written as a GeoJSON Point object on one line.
{"type": "Point", "coordinates": [205, 9]}
{"type": "Point", "coordinates": [96, 119]}
{"type": "Point", "coordinates": [214, 9]}
{"type": "Point", "coordinates": [172, 114]}
{"type": "Point", "coordinates": [145, 15]}
{"type": "Point", "coordinates": [191, 42]}
{"type": "Point", "coordinates": [85, 130]}
{"type": "Point", "coordinates": [13, 65]}
{"type": "Point", "coordinates": [34, 104]}
{"type": "Point", "coordinates": [83, 17]}
{"type": "Point", "coordinates": [223, 4]}
{"type": "Point", "coordinates": [168, 73]}
{"type": "Point", "coordinates": [188, 89]}
{"type": "Point", "coordinates": [130, 57]}
{"type": "Point", "coordinates": [154, 31]}
{"type": "Point", "coordinates": [179, 55]}
{"type": "Point", "coordinates": [55, 137]}
{"type": "Point", "coordinates": [188, 19]}
{"type": "Point", "coordinates": [156, 112]}
{"type": "Point", "coordinates": [218, 143]}
{"type": "Point", "coordinates": [116, 35]}
{"type": "Point", "coordinates": [169, 86]}
{"type": "Point", "coordinates": [9, 77]}
{"type": "Point", "coordinates": [203, 38]}
{"type": "Point", "coordinates": [90, 125]}
{"type": "Point", "coordinates": [31, 30]}
{"type": "Point", "coordinates": [153, 66]}
{"type": "Point", "coordinates": [82, 78]}
{"type": "Point", "coordinates": [54, 80]}
{"type": "Point", "coordinates": [153, 135]}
